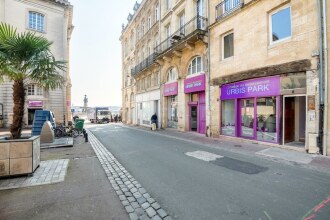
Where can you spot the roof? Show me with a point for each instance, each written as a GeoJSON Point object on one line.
{"type": "Point", "coordinates": [62, 2]}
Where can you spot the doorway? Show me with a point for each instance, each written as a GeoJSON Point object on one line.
{"type": "Point", "coordinates": [31, 113]}
{"type": "Point", "coordinates": [193, 117]}
{"type": "Point", "coordinates": [294, 120]}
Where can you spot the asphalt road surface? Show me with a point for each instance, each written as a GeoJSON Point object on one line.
{"type": "Point", "coordinates": [194, 181]}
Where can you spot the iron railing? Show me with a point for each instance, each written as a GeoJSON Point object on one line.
{"type": "Point", "coordinates": [197, 23]}
{"type": "Point", "coordinates": [227, 7]}
{"type": "Point", "coordinates": [144, 64]}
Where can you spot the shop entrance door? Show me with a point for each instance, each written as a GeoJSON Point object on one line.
{"type": "Point", "coordinates": [294, 120]}
{"type": "Point", "coordinates": [31, 115]}
{"type": "Point", "coordinates": [247, 115]}
{"type": "Point", "coordinates": [193, 117]}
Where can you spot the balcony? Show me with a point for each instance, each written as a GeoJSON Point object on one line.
{"type": "Point", "coordinates": [189, 31]}
{"type": "Point", "coordinates": [143, 65]}
{"type": "Point", "coordinates": [227, 7]}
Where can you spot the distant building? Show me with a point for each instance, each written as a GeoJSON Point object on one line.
{"type": "Point", "coordinates": [53, 20]}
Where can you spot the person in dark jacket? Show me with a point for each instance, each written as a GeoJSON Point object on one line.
{"type": "Point", "coordinates": [154, 119]}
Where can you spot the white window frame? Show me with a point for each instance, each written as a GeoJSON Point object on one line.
{"type": "Point", "coordinates": [157, 12]}
{"type": "Point", "coordinates": [190, 70]}
{"type": "Point", "coordinates": [36, 26]}
{"type": "Point", "coordinates": [168, 4]}
{"type": "Point", "coordinates": [223, 45]}
{"type": "Point", "coordinates": [143, 28]}
{"type": "Point", "coordinates": [182, 23]}
{"type": "Point", "coordinates": [271, 42]}
{"type": "Point", "coordinates": [34, 90]}
{"type": "Point", "coordinates": [172, 75]}
{"type": "Point", "coordinates": [149, 21]}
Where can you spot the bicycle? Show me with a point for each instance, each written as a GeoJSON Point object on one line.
{"type": "Point", "coordinates": [62, 131]}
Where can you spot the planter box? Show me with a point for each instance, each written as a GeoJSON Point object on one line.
{"type": "Point", "coordinates": [18, 157]}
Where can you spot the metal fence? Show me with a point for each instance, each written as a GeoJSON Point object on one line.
{"type": "Point", "coordinates": [144, 64]}
{"type": "Point", "coordinates": [197, 23]}
{"type": "Point", "coordinates": [226, 7]}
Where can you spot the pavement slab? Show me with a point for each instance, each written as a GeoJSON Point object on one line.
{"type": "Point", "coordinates": [50, 171]}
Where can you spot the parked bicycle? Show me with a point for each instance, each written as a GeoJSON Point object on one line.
{"type": "Point", "coordinates": [66, 131]}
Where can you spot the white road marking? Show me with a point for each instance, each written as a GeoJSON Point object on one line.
{"type": "Point", "coordinates": [203, 155]}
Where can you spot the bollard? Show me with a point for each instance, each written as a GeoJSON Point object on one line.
{"type": "Point", "coordinates": [86, 137]}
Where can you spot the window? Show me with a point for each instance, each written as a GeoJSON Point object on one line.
{"type": "Point", "coordinates": [34, 90]}
{"type": "Point", "coordinates": [172, 75]}
{"type": "Point", "coordinates": [280, 22]}
{"type": "Point", "coordinates": [168, 4]}
{"type": "Point", "coordinates": [157, 12]}
{"type": "Point", "coordinates": [228, 117]}
{"type": "Point", "coordinates": [196, 66]}
{"type": "Point", "coordinates": [149, 22]}
{"type": "Point", "coordinates": [143, 28]}
{"type": "Point", "coordinates": [168, 34]}
{"type": "Point", "coordinates": [231, 4]}
{"type": "Point", "coordinates": [228, 46]}
{"type": "Point", "coordinates": [36, 21]}
{"type": "Point", "coordinates": [137, 33]}
{"type": "Point", "coordinates": [181, 24]}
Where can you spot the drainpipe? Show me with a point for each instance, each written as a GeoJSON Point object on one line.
{"type": "Point", "coordinates": [321, 81]}
{"type": "Point", "coordinates": [325, 70]}
{"type": "Point", "coordinates": [209, 65]}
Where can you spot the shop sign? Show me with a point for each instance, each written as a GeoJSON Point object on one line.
{"type": "Point", "coordinates": [194, 84]}
{"type": "Point", "coordinates": [267, 86]}
{"type": "Point", "coordinates": [170, 89]}
{"type": "Point", "coordinates": [35, 104]}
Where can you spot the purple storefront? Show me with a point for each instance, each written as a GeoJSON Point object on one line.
{"type": "Point", "coordinates": [195, 87]}
{"type": "Point", "coordinates": [251, 109]}
{"type": "Point", "coordinates": [170, 91]}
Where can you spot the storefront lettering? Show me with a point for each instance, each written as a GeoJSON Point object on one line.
{"type": "Point", "coordinates": [251, 88]}
{"type": "Point", "coordinates": [194, 84]}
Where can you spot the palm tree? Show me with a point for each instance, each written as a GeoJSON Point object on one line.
{"type": "Point", "coordinates": [26, 57]}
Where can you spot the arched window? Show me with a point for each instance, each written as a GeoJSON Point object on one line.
{"type": "Point", "coordinates": [196, 66]}
{"type": "Point", "coordinates": [172, 75]}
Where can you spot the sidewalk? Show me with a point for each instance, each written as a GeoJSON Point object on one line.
{"type": "Point", "coordinates": [313, 161]}
{"type": "Point", "coordinates": [84, 192]}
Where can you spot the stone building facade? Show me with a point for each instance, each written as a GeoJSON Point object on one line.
{"type": "Point", "coordinates": [172, 49]}
{"type": "Point", "coordinates": [53, 20]}
{"type": "Point", "coordinates": [241, 69]}
{"type": "Point", "coordinates": [265, 76]}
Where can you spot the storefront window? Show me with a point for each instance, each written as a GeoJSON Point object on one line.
{"type": "Point", "coordinates": [146, 115]}
{"type": "Point", "coordinates": [293, 81]}
{"type": "Point", "coordinates": [172, 114]}
{"type": "Point", "coordinates": [266, 119]}
{"type": "Point", "coordinates": [228, 117]}
{"type": "Point", "coordinates": [247, 118]}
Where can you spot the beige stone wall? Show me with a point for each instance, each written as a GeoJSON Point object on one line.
{"type": "Point", "coordinates": [181, 64]}
{"type": "Point", "coordinates": [252, 47]}
{"type": "Point", "coordinates": [57, 23]}
{"type": "Point", "coordinates": [135, 49]}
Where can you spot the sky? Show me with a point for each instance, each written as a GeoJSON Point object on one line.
{"type": "Point", "coordinates": [95, 51]}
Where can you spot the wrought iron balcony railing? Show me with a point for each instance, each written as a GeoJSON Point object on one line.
{"type": "Point", "coordinates": [144, 64]}
{"type": "Point", "coordinates": [197, 23]}
{"type": "Point", "coordinates": [227, 7]}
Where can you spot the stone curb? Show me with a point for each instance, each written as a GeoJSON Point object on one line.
{"type": "Point", "coordinates": [136, 200]}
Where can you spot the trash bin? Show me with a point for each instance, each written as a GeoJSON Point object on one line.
{"type": "Point", "coordinates": [79, 124]}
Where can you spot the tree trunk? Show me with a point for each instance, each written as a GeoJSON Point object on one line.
{"type": "Point", "coordinates": [18, 110]}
